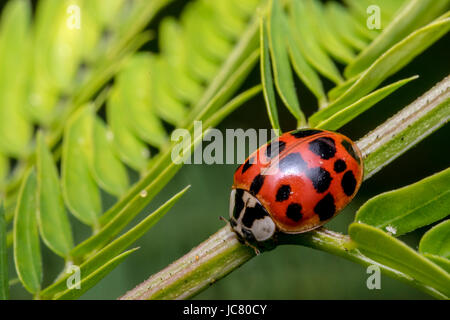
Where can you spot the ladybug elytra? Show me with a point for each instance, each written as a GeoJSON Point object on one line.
{"type": "Point", "coordinates": [294, 184]}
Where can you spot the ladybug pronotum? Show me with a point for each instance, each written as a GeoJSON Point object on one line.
{"type": "Point", "coordinates": [294, 184]}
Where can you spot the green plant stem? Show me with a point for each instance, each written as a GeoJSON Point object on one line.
{"type": "Point", "coordinates": [222, 252]}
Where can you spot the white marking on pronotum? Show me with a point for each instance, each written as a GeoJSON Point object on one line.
{"type": "Point", "coordinates": [263, 229]}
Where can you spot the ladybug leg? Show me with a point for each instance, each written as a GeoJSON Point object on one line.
{"type": "Point", "coordinates": [257, 252]}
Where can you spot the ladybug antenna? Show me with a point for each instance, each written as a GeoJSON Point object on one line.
{"type": "Point", "coordinates": [223, 219]}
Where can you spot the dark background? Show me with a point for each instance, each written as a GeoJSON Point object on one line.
{"type": "Point", "coordinates": [289, 272]}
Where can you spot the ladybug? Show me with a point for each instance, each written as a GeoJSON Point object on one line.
{"type": "Point", "coordinates": [293, 184]}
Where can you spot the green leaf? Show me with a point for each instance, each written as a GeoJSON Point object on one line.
{"type": "Point", "coordinates": [172, 48]}
{"type": "Point", "coordinates": [231, 21]}
{"type": "Point", "coordinates": [284, 82]}
{"type": "Point", "coordinates": [93, 278]}
{"type": "Point", "coordinates": [246, 44]}
{"type": "Point", "coordinates": [326, 34]}
{"type": "Point", "coordinates": [266, 78]}
{"type": "Point", "coordinates": [4, 278]}
{"type": "Point", "coordinates": [229, 87]}
{"type": "Point", "coordinates": [108, 170]}
{"type": "Point", "coordinates": [342, 117]}
{"type": "Point", "coordinates": [218, 47]}
{"type": "Point", "coordinates": [435, 245]}
{"type": "Point", "coordinates": [9, 203]}
{"type": "Point", "coordinates": [131, 149]}
{"type": "Point", "coordinates": [406, 209]}
{"type": "Point", "coordinates": [43, 92]}
{"type": "Point", "coordinates": [342, 23]}
{"type": "Point", "coordinates": [106, 13]}
{"type": "Point", "coordinates": [414, 15]}
{"type": "Point", "coordinates": [62, 64]}
{"type": "Point", "coordinates": [436, 241]}
{"type": "Point", "coordinates": [441, 262]}
{"type": "Point", "coordinates": [52, 218]}
{"type": "Point", "coordinates": [300, 21]}
{"type": "Point", "coordinates": [115, 247]}
{"type": "Point", "coordinates": [360, 25]}
{"type": "Point", "coordinates": [393, 253]}
{"type": "Point", "coordinates": [142, 13]}
{"type": "Point", "coordinates": [340, 89]}
{"type": "Point", "coordinates": [201, 64]}
{"type": "Point", "coordinates": [164, 101]}
{"type": "Point", "coordinates": [79, 189]}
{"type": "Point", "coordinates": [4, 170]}
{"type": "Point", "coordinates": [304, 71]}
{"type": "Point", "coordinates": [135, 84]}
{"type": "Point", "coordinates": [387, 64]}
{"type": "Point", "coordinates": [27, 253]}
{"type": "Point", "coordinates": [15, 129]}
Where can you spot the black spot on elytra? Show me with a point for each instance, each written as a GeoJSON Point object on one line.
{"type": "Point", "coordinates": [257, 183]}
{"type": "Point", "coordinates": [320, 178]}
{"type": "Point", "coordinates": [325, 208]}
{"type": "Point", "coordinates": [302, 133]}
{"type": "Point", "coordinates": [351, 151]}
{"type": "Point", "coordinates": [292, 163]}
{"type": "Point", "coordinates": [238, 203]}
{"type": "Point", "coordinates": [348, 183]}
{"type": "Point", "coordinates": [247, 164]}
{"type": "Point", "coordinates": [323, 147]}
{"type": "Point", "coordinates": [275, 148]}
{"type": "Point", "coordinates": [283, 193]}
{"type": "Point", "coordinates": [340, 166]}
{"type": "Point", "coordinates": [294, 212]}
{"type": "Point", "coordinates": [253, 213]}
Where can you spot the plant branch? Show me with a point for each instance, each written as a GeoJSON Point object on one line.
{"type": "Point", "coordinates": [222, 252]}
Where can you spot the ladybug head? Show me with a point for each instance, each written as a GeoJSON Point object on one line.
{"type": "Point", "coordinates": [248, 217]}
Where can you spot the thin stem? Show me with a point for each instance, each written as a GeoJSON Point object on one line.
{"type": "Point", "coordinates": [222, 252]}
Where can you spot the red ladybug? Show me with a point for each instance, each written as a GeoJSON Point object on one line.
{"type": "Point", "coordinates": [294, 184]}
